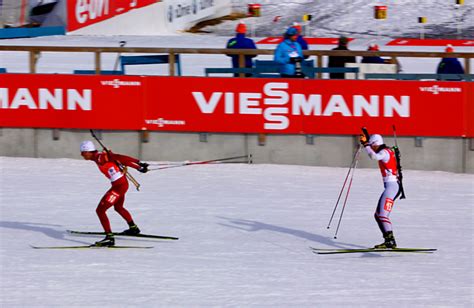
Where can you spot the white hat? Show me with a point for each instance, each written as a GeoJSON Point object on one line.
{"type": "Point", "coordinates": [87, 146]}
{"type": "Point", "coordinates": [375, 139]}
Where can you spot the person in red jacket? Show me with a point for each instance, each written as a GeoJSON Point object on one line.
{"type": "Point", "coordinates": [377, 150]}
{"type": "Point", "coordinates": [112, 166]}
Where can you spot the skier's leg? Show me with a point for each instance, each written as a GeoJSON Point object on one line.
{"type": "Point", "coordinates": [105, 203]}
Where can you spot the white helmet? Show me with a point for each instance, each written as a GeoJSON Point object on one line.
{"type": "Point", "coordinates": [87, 146]}
{"type": "Point", "coordinates": [375, 139]}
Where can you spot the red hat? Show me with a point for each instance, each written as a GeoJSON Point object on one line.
{"type": "Point", "coordinates": [373, 47]}
{"type": "Point", "coordinates": [241, 28]}
{"type": "Point", "coordinates": [297, 26]}
{"type": "Point", "coordinates": [449, 48]}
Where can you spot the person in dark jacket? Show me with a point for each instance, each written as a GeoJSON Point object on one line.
{"type": "Point", "coordinates": [241, 42]}
{"type": "Point", "coordinates": [340, 61]}
{"type": "Point", "coordinates": [374, 59]}
{"type": "Point", "coordinates": [450, 65]}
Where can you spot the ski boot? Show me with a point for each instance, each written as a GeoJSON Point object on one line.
{"type": "Point", "coordinates": [109, 240]}
{"type": "Point", "coordinates": [133, 230]}
{"type": "Point", "coordinates": [389, 241]}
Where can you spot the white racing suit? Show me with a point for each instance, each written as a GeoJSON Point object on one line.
{"type": "Point", "coordinates": [388, 168]}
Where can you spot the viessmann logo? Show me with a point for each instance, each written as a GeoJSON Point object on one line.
{"type": "Point", "coordinates": [117, 83]}
{"type": "Point", "coordinates": [437, 89]}
{"type": "Point", "coordinates": [160, 122]}
{"type": "Point", "coordinates": [275, 102]}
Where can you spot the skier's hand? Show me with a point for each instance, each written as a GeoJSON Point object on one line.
{"type": "Point", "coordinates": [295, 59]}
{"type": "Point", "coordinates": [363, 140]}
{"type": "Point", "coordinates": [143, 167]}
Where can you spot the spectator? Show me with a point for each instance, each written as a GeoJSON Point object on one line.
{"type": "Point", "coordinates": [300, 39]}
{"type": "Point", "coordinates": [289, 55]}
{"type": "Point", "coordinates": [375, 59]}
{"type": "Point", "coordinates": [449, 65]}
{"type": "Point", "coordinates": [340, 61]}
{"type": "Point", "coordinates": [241, 42]}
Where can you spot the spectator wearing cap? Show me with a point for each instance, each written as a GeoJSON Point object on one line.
{"type": "Point", "coordinates": [374, 59]}
{"type": "Point", "coordinates": [340, 61]}
{"type": "Point", "coordinates": [241, 42]}
{"type": "Point", "coordinates": [450, 65]}
{"type": "Point", "coordinates": [300, 39]}
{"type": "Point", "coordinates": [289, 55]}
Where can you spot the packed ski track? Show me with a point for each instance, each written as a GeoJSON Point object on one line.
{"type": "Point", "coordinates": [245, 233]}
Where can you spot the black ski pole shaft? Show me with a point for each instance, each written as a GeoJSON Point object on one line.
{"type": "Point", "coordinates": [249, 159]}
{"type": "Point", "coordinates": [356, 154]}
{"type": "Point", "coordinates": [345, 200]}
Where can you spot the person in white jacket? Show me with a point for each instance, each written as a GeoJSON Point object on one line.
{"type": "Point", "coordinates": [377, 150]}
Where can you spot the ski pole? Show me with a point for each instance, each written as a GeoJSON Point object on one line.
{"type": "Point", "coordinates": [347, 195]}
{"type": "Point", "coordinates": [249, 160]}
{"type": "Point", "coordinates": [122, 167]}
{"type": "Point", "coordinates": [354, 158]}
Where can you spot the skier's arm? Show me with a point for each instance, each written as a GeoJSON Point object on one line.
{"type": "Point", "coordinates": [382, 155]}
{"type": "Point", "coordinates": [280, 55]}
{"type": "Point", "coordinates": [130, 162]}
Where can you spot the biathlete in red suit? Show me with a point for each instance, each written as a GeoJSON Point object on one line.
{"type": "Point", "coordinates": [111, 164]}
{"type": "Point", "coordinates": [377, 150]}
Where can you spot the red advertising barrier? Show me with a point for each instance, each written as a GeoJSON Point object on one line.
{"type": "Point", "coordinates": [309, 40]}
{"type": "Point", "coordinates": [237, 105]}
{"type": "Point", "coordinates": [65, 101]}
{"type": "Point", "coordinates": [82, 13]}
{"type": "Point", "coordinates": [430, 42]}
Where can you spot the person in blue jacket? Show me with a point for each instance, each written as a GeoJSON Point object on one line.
{"type": "Point", "coordinates": [289, 55]}
{"type": "Point", "coordinates": [241, 42]}
{"type": "Point", "coordinates": [301, 40]}
{"type": "Point", "coordinates": [450, 65]}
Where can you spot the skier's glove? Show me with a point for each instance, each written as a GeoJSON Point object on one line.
{"type": "Point", "coordinates": [363, 140]}
{"type": "Point", "coordinates": [295, 59]}
{"type": "Point", "coordinates": [143, 167]}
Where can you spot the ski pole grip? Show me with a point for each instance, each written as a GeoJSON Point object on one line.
{"type": "Point", "coordinates": [365, 132]}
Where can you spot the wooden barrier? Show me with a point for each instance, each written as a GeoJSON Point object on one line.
{"type": "Point", "coordinates": [35, 51]}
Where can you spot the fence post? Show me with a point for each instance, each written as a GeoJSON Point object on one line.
{"type": "Point", "coordinates": [241, 63]}
{"type": "Point", "coordinates": [320, 64]}
{"type": "Point", "coordinates": [171, 62]}
{"type": "Point", "coordinates": [33, 59]}
{"type": "Point", "coordinates": [97, 62]}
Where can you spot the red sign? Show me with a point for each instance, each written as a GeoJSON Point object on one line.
{"type": "Point", "coordinates": [82, 13]}
{"type": "Point", "coordinates": [70, 101]}
{"type": "Point", "coordinates": [237, 105]}
{"type": "Point", "coordinates": [309, 40]}
{"type": "Point", "coordinates": [430, 42]}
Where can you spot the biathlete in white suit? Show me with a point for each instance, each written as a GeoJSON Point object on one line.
{"type": "Point", "coordinates": [377, 150]}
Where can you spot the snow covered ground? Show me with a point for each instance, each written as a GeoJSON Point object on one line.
{"type": "Point", "coordinates": [245, 232]}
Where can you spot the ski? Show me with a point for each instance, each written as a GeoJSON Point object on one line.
{"type": "Point", "coordinates": [90, 247]}
{"type": "Point", "coordinates": [323, 251]}
{"type": "Point", "coordinates": [162, 237]}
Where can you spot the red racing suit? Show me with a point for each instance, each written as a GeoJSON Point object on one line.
{"type": "Point", "coordinates": [111, 164]}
